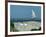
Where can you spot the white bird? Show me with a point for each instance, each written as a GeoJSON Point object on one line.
{"type": "Point", "coordinates": [33, 14]}
{"type": "Point", "coordinates": [25, 24]}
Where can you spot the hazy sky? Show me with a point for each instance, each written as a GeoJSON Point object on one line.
{"type": "Point", "coordinates": [17, 11]}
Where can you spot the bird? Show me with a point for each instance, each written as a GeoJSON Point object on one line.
{"type": "Point", "coordinates": [33, 14]}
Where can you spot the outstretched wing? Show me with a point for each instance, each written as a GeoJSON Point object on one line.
{"type": "Point", "coordinates": [33, 14]}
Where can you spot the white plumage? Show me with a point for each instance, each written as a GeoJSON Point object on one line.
{"type": "Point", "coordinates": [33, 14]}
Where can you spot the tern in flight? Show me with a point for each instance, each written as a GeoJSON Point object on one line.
{"type": "Point", "coordinates": [33, 14]}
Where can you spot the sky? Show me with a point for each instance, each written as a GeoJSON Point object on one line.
{"type": "Point", "coordinates": [19, 11]}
